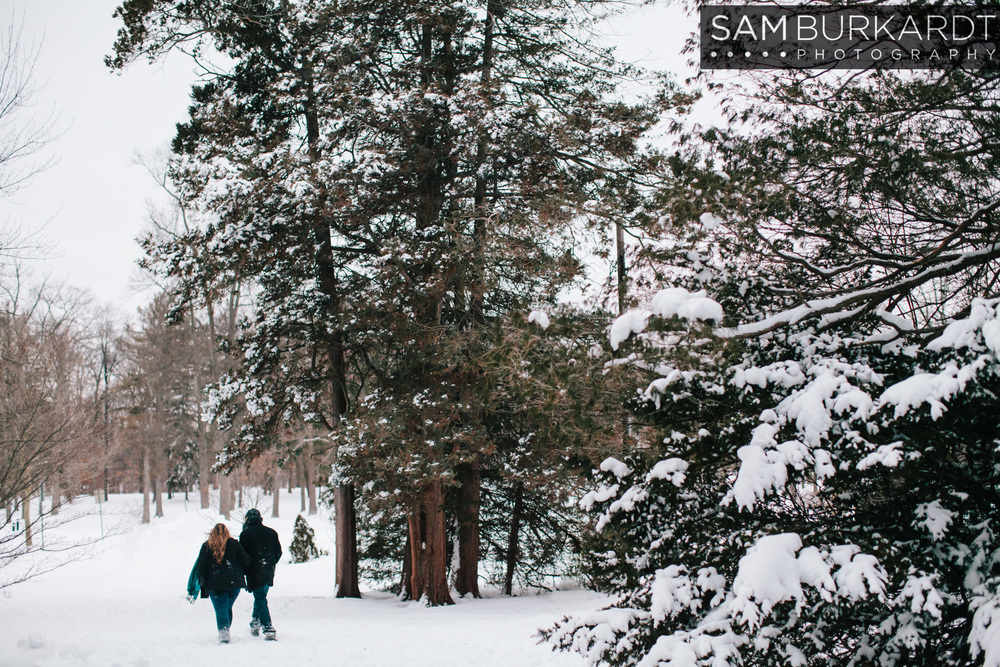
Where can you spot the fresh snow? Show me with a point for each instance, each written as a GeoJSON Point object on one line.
{"type": "Point", "coordinates": [540, 318]}
{"type": "Point", "coordinates": [616, 467]}
{"type": "Point", "coordinates": [985, 635]}
{"type": "Point", "coordinates": [626, 324]}
{"type": "Point", "coordinates": [700, 308]}
{"type": "Point", "coordinates": [887, 455]}
{"type": "Point", "coordinates": [669, 302]}
{"type": "Point", "coordinates": [935, 518]}
{"type": "Point", "coordinates": [965, 332]}
{"type": "Point", "coordinates": [682, 303]}
{"type": "Point", "coordinates": [776, 567]}
{"type": "Point", "coordinates": [709, 220]}
{"type": "Point", "coordinates": [930, 388]}
{"type": "Point", "coordinates": [673, 469]}
{"type": "Point", "coordinates": [670, 593]}
{"type": "Point", "coordinates": [121, 602]}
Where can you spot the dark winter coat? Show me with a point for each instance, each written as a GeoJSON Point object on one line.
{"type": "Point", "coordinates": [230, 573]}
{"type": "Point", "coordinates": [261, 543]}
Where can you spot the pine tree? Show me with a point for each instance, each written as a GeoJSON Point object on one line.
{"type": "Point", "coordinates": [155, 390]}
{"type": "Point", "coordinates": [303, 546]}
{"type": "Point", "coordinates": [395, 179]}
{"type": "Point", "coordinates": [554, 417]}
{"type": "Point", "coordinates": [819, 479]}
{"type": "Point", "coordinates": [251, 120]}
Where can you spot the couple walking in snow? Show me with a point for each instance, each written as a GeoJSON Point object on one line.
{"type": "Point", "coordinates": [224, 566]}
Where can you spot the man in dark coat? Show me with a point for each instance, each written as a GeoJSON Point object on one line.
{"type": "Point", "coordinates": [261, 543]}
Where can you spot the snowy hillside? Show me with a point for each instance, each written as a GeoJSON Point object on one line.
{"type": "Point", "coordinates": [125, 605]}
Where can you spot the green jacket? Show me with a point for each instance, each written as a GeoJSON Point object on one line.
{"type": "Point", "coordinates": [194, 586]}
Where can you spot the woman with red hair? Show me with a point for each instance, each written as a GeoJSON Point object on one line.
{"type": "Point", "coordinates": [221, 566]}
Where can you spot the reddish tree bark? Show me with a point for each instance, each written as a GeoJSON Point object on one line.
{"type": "Point", "coordinates": [467, 577]}
{"type": "Point", "coordinates": [429, 578]}
{"type": "Point", "coordinates": [407, 582]}
{"type": "Point", "coordinates": [345, 521]}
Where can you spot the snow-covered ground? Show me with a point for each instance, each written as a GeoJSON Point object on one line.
{"type": "Point", "coordinates": [123, 605]}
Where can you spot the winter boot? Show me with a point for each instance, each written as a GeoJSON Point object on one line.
{"type": "Point", "coordinates": [224, 636]}
{"type": "Point", "coordinates": [270, 634]}
{"type": "Point", "coordinates": [255, 627]}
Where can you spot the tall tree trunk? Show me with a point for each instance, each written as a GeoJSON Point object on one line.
{"type": "Point", "coordinates": [206, 452]}
{"type": "Point", "coordinates": [108, 358]}
{"type": "Point", "coordinates": [620, 265]}
{"type": "Point", "coordinates": [225, 495]}
{"type": "Point", "coordinates": [302, 484]}
{"type": "Point", "coordinates": [345, 518]}
{"type": "Point", "coordinates": [146, 484]}
{"type": "Point", "coordinates": [467, 577]}
{"type": "Point", "coordinates": [345, 515]}
{"type": "Point", "coordinates": [56, 486]}
{"type": "Point", "coordinates": [26, 517]}
{"type": "Point", "coordinates": [206, 440]}
{"type": "Point", "coordinates": [204, 476]}
{"type": "Point", "coordinates": [428, 547]}
{"type": "Point", "coordinates": [158, 495]}
{"type": "Point", "coordinates": [347, 546]}
{"type": "Point", "coordinates": [482, 153]}
{"type": "Point", "coordinates": [346, 529]}
{"type": "Point", "coordinates": [277, 490]}
{"type": "Point", "coordinates": [512, 539]}
{"type": "Point", "coordinates": [309, 469]}
{"type": "Point", "coordinates": [406, 585]}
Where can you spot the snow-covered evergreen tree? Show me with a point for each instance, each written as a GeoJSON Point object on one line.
{"type": "Point", "coordinates": [303, 546]}
{"type": "Point", "coordinates": [397, 180]}
{"type": "Point", "coordinates": [819, 480]}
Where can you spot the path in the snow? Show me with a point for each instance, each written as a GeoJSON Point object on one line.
{"type": "Point", "coordinates": [124, 606]}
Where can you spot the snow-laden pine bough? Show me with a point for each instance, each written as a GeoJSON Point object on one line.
{"type": "Point", "coordinates": [823, 500]}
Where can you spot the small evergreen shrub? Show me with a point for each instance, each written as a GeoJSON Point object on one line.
{"type": "Point", "coordinates": [303, 545]}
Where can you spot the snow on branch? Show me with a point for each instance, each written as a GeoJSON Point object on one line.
{"type": "Point", "coordinates": [873, 295]}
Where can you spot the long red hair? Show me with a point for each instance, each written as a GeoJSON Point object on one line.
{"type": "Point", "coordinates": [217, 539]}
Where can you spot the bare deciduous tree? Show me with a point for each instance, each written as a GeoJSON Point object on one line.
{"type": "Point", "coordinates": [43, 413]}
{"type": "Point", "coordinates": [23, 131]}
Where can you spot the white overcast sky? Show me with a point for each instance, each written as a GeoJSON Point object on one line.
{"type": "Point", "coordinates": [93, 202]}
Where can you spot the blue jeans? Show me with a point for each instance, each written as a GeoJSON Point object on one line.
{"type": "Point", "coordinates": [223, 600]}
{"type": "Point", "coordinates": [260, 611]}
